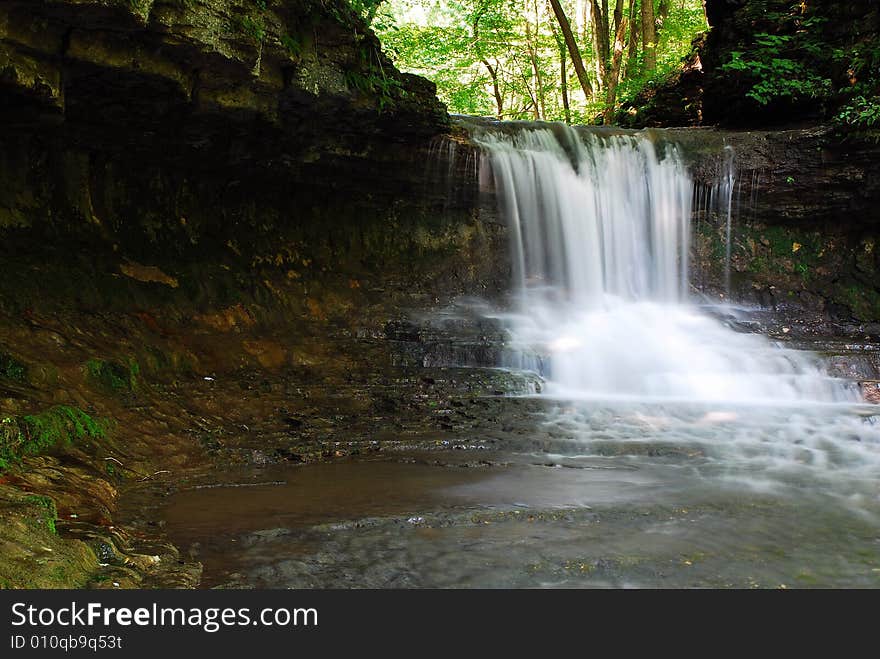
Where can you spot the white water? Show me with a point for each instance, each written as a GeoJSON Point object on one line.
{"type": "Point", "coordinates": [600, 230]}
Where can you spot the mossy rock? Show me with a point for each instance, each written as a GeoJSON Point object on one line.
{"type": "Point", "coordinates": [34, 555]}
{"type": "Point", "coordinates": [51, 511]}
{"type": "Point", "coordinates": [55, 428]}
{"type": "Point", "coordinates": [12, 369]}
{"type": "Point", "coordinates": [113, 376]}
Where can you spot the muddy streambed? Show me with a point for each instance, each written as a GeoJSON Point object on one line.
{"type": "Point", "coordinates": [596, 495]}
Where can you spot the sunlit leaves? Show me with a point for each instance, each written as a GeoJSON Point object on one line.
{"type": "Point", "coordinates": [452, 42]}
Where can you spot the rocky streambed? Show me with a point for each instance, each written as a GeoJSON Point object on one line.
{"type": "Point", "coordinates": [472, 481]}
{"type": "Point", "coordinates": [397, 454]}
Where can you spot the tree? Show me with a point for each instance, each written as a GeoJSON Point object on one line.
{"type": "Point", "coordinates": [633, 48]}
{"type": "Point", "coordinates": [616, 60]}
{"type": "Point", "coordinates": [649, 35]}
{"type": "Point", "coordinates": [600, 39]}
{"type": "Point", "coordinates": [563, 74]}
{"type": "Point", "coordinates": [540, 110]}
{"type": "Point", "coordinates": [521, 59]}
{"type": "Point", "coordinates": [493, 70]}
{"type": "Point", "coordinates": [573, 50]}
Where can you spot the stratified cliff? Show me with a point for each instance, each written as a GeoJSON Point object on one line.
{"type": "Point", "coordinates": [212, 214]}
{"type": "Point", "coordinates": [225, 129]}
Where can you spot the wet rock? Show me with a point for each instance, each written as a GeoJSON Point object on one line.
{"type": "Point", "coordinates": [871, 391]}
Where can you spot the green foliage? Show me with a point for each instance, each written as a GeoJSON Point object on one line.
{"type": "Point", "coordinates": [252, 23]}
{"type": "Point", "coordinates": [861, 104]}
{"type": "Point", "coordinates": [461, 44]}
{"type": "Point", "coordinates": [292, 45]}
{"type": "Point", "coordinates": [253, 26]}
{"type": "Point", "coordinates": [375, 83]}
{"type": "Point", "coordinates": [796, 58]}
{"type": "Point", "coordinates": [114, 376]}
{"type": "Point", "coordinates": [139, 6]}
{"type": "Point", "coordinates": [366, 9]}
{"type": "Point", "coordinates": [370, 79]}
{"type": "Point", "coordinates": [860, 112]}
{"type": "Point", "coordinates": [782, 66]}
{"type": "Point", "coordinates": [685, 22]}
{"type": "Point", "coordinates": [34, 434]}
{"type": "Point", "coordinates": [12, 369]}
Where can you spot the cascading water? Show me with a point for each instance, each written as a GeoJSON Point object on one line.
{"type": "Point", "coordinates": [600, 227]}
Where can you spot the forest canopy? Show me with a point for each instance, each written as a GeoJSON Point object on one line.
{"type": "Point", "coordinates": [559, 60]}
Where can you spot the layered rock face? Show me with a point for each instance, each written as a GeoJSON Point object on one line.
{"type": "Point", "coordinates": [804, 221]}
{"type": "Point", "coordinates": [145, 64]}
{"type": "Point", "coordinates": [210, 213]}
{"type": "Point", "coordinates": [222, 130]}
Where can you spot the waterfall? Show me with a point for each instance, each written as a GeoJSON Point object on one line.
{"type": "Point", "coordinates": [599, 227]}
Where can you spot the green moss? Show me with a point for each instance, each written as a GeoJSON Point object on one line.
{"type": "Point", "coordinates": [48, 505]}
{"type": "Point", "coordinates": [61, 424]}
{"type": "Point", "coordinates": [110, 468]}
{"type": "Point", "coordinates": [114, 376]}
{"type": "Point", "coordinates": [45, 559]}
{"type": "Point", "coordinates": [292, 45]}
{"type": "Point", "coordinates": [780, 240]}
{"type": "Point", "coordinates": [140, 7]}
{"type": "Point", "coordinates": [12, 369]}
{"type": "Point", "coordinates": [252, 26]}
{"type": "Point", "coordinates": [371, 80]}
{"type": "Point", "coordinates": [863, 301]}
{"type": "Point", "coordinates": [708, 235]}
{"type": "Point", "coordinates": [34, 434]}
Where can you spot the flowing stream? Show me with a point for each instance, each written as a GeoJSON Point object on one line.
{"type": "Point", "coordinates": [666, 448]}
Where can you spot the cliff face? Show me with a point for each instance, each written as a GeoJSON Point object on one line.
{"type": "Point", "coordinates": [162, 65]}
{"type": "Point", "coordinates": [805, 221]}
{"type": "Point", "coordinates": [176, 128]}
{"type": "Point", "coordinates": [197, 193]}
{"type": "Point", "coordinates": [226, 141]}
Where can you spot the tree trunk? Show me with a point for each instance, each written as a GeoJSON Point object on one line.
{"type": "Point", "coordinates": [536, 70]}
{"type": "Point", "coordinates": [662, 15]}
{"type": "Point", "coordinates": [616, 59]}
{"type": "Point", "coordinates": [633, 50]}
{"type": "Point", "coordinates": [563, 74]}
{"type": "Point", "coordinates": [496, 90]}
{"type": "Point", "coordinates": [584, 17]}
{"type": "Point", "coordinates": [563, 79]}
{"type": "Point", "coordinates": [573, 50]}
{"type": "Point", "coordinates": [536, 78]}
{"type": "Point", "coordinates": [600, 41]}
{"type": "Point", "coordinates": [618, 15]}
{"type": "Point", "coordinates": [649, 35]}
{"type": "Point", "coordinates": [493, 71]}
